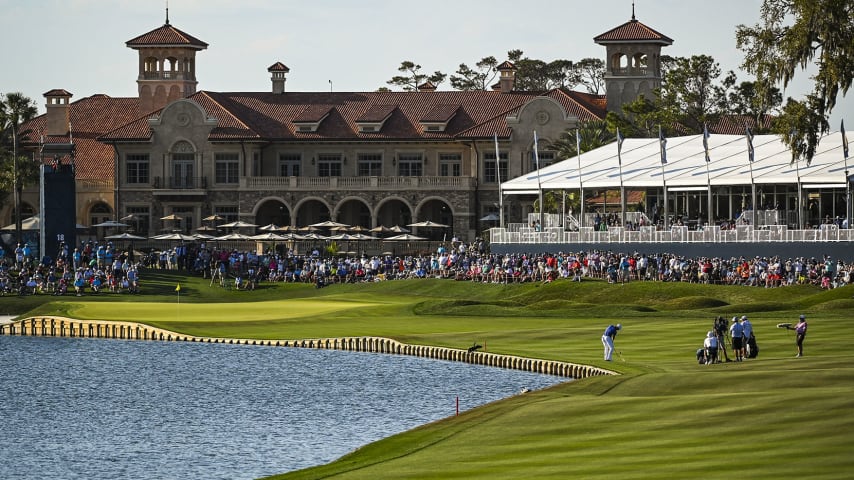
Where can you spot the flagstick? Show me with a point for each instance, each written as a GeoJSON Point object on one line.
{"type": "Point", "coordinates": [848, 210]}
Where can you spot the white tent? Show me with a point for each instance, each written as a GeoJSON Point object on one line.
{"type": "Point", "coordinates": [686, 165]}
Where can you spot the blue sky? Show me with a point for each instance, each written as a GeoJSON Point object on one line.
{"type": "Point", "coordinates": [79, 45]}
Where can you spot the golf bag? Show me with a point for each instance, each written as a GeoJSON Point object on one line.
{"type": "Point", "coordinates": [752, 348]}
{"type": "Point", "coordinates": [701, 356]}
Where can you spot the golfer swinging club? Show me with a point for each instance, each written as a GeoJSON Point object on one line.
{"type": "Point", "coordinates": [608, 340]}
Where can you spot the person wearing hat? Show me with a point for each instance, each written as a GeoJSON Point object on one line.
{"type": "Point", "coordinates": [800, 334]}
{"type": "Point", "coordinates": [736, 331]}
{"type": "Point", "coordinates": [710, 344]}
{"type": "Point", "coordinates": [608, 339]}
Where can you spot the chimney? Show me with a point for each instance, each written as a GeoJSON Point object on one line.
{"type": "Point", "coordinates": [507, 73]}
{"type": "Point", "coordinates": [278, 72]}
{"type": "Point", "coordinates": [58, 112]}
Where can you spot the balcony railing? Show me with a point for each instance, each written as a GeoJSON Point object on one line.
{"type": "Point", "coordinates": [181, 183]}
{"type": "Point", "coordinates": [167, 75]}
{"type": "Point", "coordinates": [521, 233]}
{"type": "Point", "coordinates": [360, 183]}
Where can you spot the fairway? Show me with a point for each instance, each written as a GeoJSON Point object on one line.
{"type": "Point", "coordinates": [772, 417]}
{"type": "Point", "coordinates": [161, 312]}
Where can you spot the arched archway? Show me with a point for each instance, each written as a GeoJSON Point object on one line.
{"type": "Point", "coordinates": [272, 211]}
{"type": "Point", "coordinates": [438, 211]}
{"type": "Point", "coordinates": [99, 212]}
{"type": "Point", "coordinates": [354, 211]}
{"type": "Point", "coordinates": [310, 211]}
{"type": "Point", "coordinates": [393, 211]}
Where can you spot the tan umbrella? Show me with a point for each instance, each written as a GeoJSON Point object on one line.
{"type": "Point", "coordinates": [328, 224]}
{"type": "Point", "coordinates": [232, 237]}
{"type": "Point", "coordinates": [212, 218]}
{"type": "Point", "coordinates": [238, 224]}
{"type": "Point", "coordinates": [172, 216]}
{"type": "Point", "coordinates": [270, 227]}
{"type": "Point", "coordinates": [428, 224]}
{"type": "Point", "coordinates": [405, 237]}
{"type": "Point", "coordinates": [268, 237]}
{"type": "Point", "coordinates": [205, 228]}
{"type": "Point", "coordinates": [398, 229]}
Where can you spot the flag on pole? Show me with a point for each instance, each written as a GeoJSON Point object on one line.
{"type": "Point", "coordinates": [497, 159]}
{"type": "Point", "coordinates": [706, 142]}
{"type": "Point", "coordinates": [751, 154]}
{"type": "Point", "coordinates": [620, 139]}
{"type": "Point", "coordinates": [844, 138]}
{"type": "Point", "coordinates": [178, 287]}
{"type": "Point", "coordinates": [662, 144]}
{"type": "Point", "coordinates": [577, 142]}
{"type": "Point", "coordinates": [536, 156]}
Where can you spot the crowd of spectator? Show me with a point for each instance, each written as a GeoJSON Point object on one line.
{"type": "Point", "coordinates": [95, 267]}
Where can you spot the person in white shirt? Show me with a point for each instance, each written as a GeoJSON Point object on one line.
{"type": "Point", "coordinates": [711, 346]}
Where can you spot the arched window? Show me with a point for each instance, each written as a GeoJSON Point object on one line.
{"type": "Point", "coordinates": [183, 166]}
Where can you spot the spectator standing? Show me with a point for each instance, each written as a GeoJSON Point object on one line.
{"type": "Point", "coordinates": [608, 339]}
{"type": "Point", "coordinates": [736, 331]}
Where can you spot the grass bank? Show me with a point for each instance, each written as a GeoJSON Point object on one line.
{"type": "Point", "coordinates": [775, 416]}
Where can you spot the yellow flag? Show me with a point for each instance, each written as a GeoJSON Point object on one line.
{"type": "Point", "coordinates": [178, 288]}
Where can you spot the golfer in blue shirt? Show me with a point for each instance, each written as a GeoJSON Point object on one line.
{"type": "Point", "coordinates": [608, 340]}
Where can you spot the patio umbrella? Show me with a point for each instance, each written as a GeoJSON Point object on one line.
{"type": "Point", "coordinates": [232, 237]}
{"type": "Point", "coordinates": [405, 237]}
{"type": "Point", "coordinates": [398, 229]}
{"type": "Point", "coordinates": [313, 236]}
{"type": "Point", "coordinates": [172, 216]}
{"type": "Point", "coordinates": [110, 223]}
{"type": "Point", "coordinates": [268, 237]}
{"type": "Point", "coordinates": [270, 227]}
{"type": "Point", "coordinates": [490, 218]}
{"type": "Point", "coordinates": [124, 236]}
{"type": "Point", "coordinates": [128, 218]}
{"type": "Point", "coordinates": [287, 228]}
{"type": "Point", "coordinates": [362, 236]}
{"type": "Point", "coordinates": [328, 224]}
{"type": "Point", "coordinates": [212, 218]}
{"type": "Point", "coordinates": [341, 236]}
{"type": "Point", "coordinates": [382, 229]}
{"type": "Point", "coordinates": [358, 229]}
{"type": "Point", "coordinates": [205, 228]}
{"type": "Point", "coordinates": [293, 236]}
{"type": "Point", "coordinates": [428, 224]}
{"type": "Point", "coordinates": [238, 224]}
{"type": "Point", "coordinates": [203, 236]}
{"type": "Point", "coordinates": [174, 236]}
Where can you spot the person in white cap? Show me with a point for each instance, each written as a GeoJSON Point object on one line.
{"type": "Point", "coordinates": [737, 334]}
{"type": "Point", "coordinates": [711, 346]}
{"type": "Point", "coordinates": [608, 339]}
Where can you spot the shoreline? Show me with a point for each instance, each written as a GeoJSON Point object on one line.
{"type": "Point", "coordinates": [49, 326]}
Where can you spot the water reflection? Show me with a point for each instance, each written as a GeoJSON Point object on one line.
{"type": "Point", "coordinates": [90, 409]}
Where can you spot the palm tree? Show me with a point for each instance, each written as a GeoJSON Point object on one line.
{"type": "Point", "coordinates": [15, 109]}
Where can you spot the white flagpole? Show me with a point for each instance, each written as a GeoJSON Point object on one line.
{"type": "Point", "coordinates": [622, 188]}
{"type": "Point", "coordinates": [539, 185]}
{"type": "Point", "coordinates": [708, 175]}
{"type": "Point", "coordinates": [848, 211]}
{"type": "Point", "coordinates": [663, 146]}
{"type": "Point", "coordinates": [580, 182]}
{"type": "Point", "coordinates": [750, 156]}
{"type": "Point", "coordinates": [498, 176]}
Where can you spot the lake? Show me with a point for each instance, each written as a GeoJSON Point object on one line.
{"type": "Point", "coordinates": [112, 409]}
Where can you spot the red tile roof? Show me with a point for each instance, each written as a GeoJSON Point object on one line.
{"type": "Point", "coordinates": [58, 92]}
{"type": "Point", "coordinates": [278, 67]}
{"type": "Point", "coordinates": [632, 31]}
{"type": "Point", "coordinates": [90, 118]}
{"type": "Point", "coordinates": [377, 113]}
{"type": "Point", "coordinates": [440, 113]}
{"type": "Point", "coordinates": [167, 35]}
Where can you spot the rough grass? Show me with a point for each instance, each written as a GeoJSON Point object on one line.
{"type": "Point", "coordinates": [665, 416]}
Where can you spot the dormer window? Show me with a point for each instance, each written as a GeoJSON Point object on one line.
{"type": "Point", "coordinates": [374, 118]}
{"type": "Point", "coordinates": [437, 119]}
{"type": "Point", "coordinates": [310, 119]}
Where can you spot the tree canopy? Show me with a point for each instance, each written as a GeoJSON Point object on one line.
{"type": "Point", "coordinates": [799, 37]}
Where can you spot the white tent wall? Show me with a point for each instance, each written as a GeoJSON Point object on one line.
{"type": "Point", "coordinates": [728, 172]}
